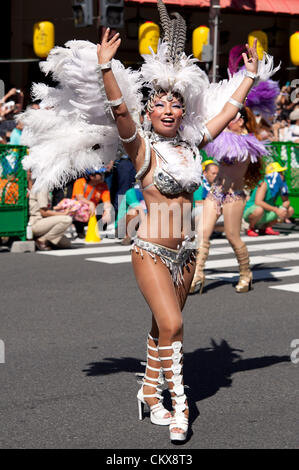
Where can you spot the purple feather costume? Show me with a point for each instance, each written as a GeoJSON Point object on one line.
{"type": "Point", "coordinates": [230, 148]}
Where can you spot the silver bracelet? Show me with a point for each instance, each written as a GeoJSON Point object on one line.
{"type": "Point", "coordinates": [105, 66]}
{"type": "Point", "coordinates": [252, 75]}
{"type": "Point", "coordinates": [115, 102]}
{"type": "Point", "coordinates": [129, 139]}
{"type": "Point", "coordinates": [207, 133]}
{"type": "Point", "coordinates": [235, 103]}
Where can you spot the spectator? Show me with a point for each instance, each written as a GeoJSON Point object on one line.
{"type": "Point", "coordinates": [92, 189]}
{"type": "Point", "coordinates": [210, 172]}
{"type": "Point", "coordinates": [261, 210]}
{"type": "Point", "coordinates": [123, 178]}
{"type": "Point", "coordinates": [48, 226]}
{"type": "Point", "coordinates": [288, 128]}
{"type": "Point", "coordinates": [15, 136]}
{"type": "Point", "coordinates": [60, 193]}
{"type": "Point", "coordinates": [14, 106]}
{"type": "Point", "coordinates": [294, 127]}
{"type": "Point", "coordinates": [132, 207]}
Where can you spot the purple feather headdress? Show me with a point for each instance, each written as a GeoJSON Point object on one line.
{"type": "Point", "coordinates": [262, 98]}
{"type": "Point", "coordinates": [235, 57]}
{"type": "Point", "coordinates": [231, 148]}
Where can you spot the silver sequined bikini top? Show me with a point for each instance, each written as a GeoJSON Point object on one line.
{"type": "Point", "coordinates": [180, 171]}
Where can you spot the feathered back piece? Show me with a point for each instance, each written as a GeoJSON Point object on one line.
{"type": "Point", "coordinates": [174, 32]}
{"type": "Point", "coordinates": [74, 130]}
{"type": "Point", "coordinates": [262, 98]}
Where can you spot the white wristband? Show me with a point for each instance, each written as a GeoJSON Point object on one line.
{"type": "Point", "coordinates": [105, 66]}
{"type": "Point", "coordinates": [207, 133]}
{"type": "Point", "coordinates": [116, 102]}
{"type": "Point", "coordinates": [129, 139]}
{"type": "Point", "coordinates": [235, 103]}
{"type": "Point", "coordinates": [252, 75]}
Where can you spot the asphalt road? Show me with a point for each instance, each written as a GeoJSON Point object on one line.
{"type": "Point", "coordinates": [75, 332]}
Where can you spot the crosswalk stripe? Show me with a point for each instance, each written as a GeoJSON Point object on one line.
{"type": "Point", "coordinates": [287, 287]}
{"type": "Point", "coordinates": [111, 259]}
{"type": "Point", "coordinates": [87, 251]}
{"type": "Point", "coordinates": [214, 251]}
{"type": "Point", "coordinates": [273, 258]}
{"type": "Point", "coordinates": [259, 247]}
{"type": "Point", "coordinates": [258, 274]}
{"type": "Point", "coordinates": [221, 263]}
{"type": "Point", "coordinates": [264, 238]}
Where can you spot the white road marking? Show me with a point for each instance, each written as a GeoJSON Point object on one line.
{"type": "Point", "coordinates": [287, 287]}
{"type": "Point", "coordinates": [111, 259]}
{"type": "Point", "coordinates": [87, 251]}
{"type": "Point", "coordinates": [286, 271]}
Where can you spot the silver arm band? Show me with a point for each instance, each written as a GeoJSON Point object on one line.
{"type": "Point", "coordinates": [129, 139]}
{"type": "Point", "coordinates": [207, 133]}
{"type": "Point", "coordinates": [116, 102]}
{"type": "Point", "coordinates": [105, 66]}
{"type": "Point", "coordinates": [235, 103]}
{"type": "Point", "coordinates": [252, 75]}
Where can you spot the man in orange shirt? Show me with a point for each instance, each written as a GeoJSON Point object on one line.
{"type": "Point", "coordinates": [92, 189]}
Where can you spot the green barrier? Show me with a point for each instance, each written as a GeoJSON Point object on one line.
{"type": "Point", "coordinates": [13, 192]}
{"type": "Point", "coordinates": [287, 155]}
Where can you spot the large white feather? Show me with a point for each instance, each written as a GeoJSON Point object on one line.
{"type": "Point", "coordinates": [73, 116]}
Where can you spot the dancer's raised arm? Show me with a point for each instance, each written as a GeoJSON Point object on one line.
{"type": "Point", "coordinates": [127, 129]}
{"type": "Point", "coordinates": [217, 124]}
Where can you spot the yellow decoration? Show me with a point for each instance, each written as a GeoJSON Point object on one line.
{"type": "Point", "coordinates": [200, 37]}
{"type": "Point", "coordinates": [294, 48]}
{"type": "Point", "coordinates": [43, 38]}
{"type": "Point", "coordinates": [92, 234]}
{"type": "Point", "coordinates": [262, 42]}
{"type": "Point", "coordinates": [148, 36]}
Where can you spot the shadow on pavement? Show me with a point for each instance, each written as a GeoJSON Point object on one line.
{"type": "Point", "coordinates": [206, 370]}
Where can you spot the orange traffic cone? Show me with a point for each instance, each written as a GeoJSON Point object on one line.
{"type": "Point", "coordinates": [92, 234]}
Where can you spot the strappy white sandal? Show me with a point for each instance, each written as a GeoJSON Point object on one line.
{"type": "Point", "coordinates": [179, 419]}
{"type": "Point", "coordinates": [157, 411]}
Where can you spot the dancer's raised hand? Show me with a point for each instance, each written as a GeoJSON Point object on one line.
{"type": "Point", "coordinates": [107, 50]}
{"type": "Point", "coordinates": [251, 60]}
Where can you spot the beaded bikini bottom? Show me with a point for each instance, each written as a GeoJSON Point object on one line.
{"type": "Point", "coordinates": [217, 195]}
{"type": "Point", "coordinates": [175, 260]}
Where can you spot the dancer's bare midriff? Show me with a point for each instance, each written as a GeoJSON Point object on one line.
{"type": "Point", "coordinates": [231, 177]}
{"type": "Point", "coordinates": [168, 220]}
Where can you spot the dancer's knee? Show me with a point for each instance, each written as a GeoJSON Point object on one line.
{"type": "Point", "coordinates": [172, 331]}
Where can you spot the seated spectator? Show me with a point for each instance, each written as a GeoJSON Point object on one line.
{"type": "Point", "coordinates": [48, 226]}
{"type": "Point", "coordinates": [261, 210]}
{"type": "Point", "coordinates": [92, 189]}
{"type": "Point", "coordinates": [131, 211]}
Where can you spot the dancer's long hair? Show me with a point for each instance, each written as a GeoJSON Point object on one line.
{"type": "Point", "coordinates": [255, 171]}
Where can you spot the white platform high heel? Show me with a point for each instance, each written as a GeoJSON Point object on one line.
{"type": "Point", "coordinates": [157, 411]}
{"type": "Point", "coordinates": [179, 419]}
